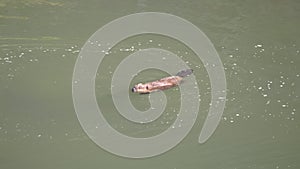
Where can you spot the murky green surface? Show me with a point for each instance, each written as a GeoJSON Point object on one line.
{"type": "Point", "coordinates": [258, 42]}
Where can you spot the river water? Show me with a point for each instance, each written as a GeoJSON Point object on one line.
{"type": "Point", "coordinates": [257, 41]}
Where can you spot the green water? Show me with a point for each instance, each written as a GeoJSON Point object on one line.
{"type": "Point", "coordinates": [258, 42]}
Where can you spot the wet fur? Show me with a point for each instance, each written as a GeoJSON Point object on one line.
{"type": "Point", "coordinates": [162, 84]}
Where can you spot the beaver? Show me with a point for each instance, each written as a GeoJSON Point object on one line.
{"type": "Point", "coordinates": [162, 84]}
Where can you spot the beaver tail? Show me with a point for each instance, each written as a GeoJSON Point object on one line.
{"type": "Point", "coordinates": [185, 73]}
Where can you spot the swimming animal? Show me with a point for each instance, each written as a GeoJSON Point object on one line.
{"type": "Point", "coordinates": [162, 84]}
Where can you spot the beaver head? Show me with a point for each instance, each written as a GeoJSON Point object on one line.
{"type": "Point", "coordinates": [140, 88]}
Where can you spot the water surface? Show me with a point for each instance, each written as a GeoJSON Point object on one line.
{"type": "Point", "coordinates": [258, 42]}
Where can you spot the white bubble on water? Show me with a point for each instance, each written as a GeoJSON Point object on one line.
{"type": "Point", "coordinates": [258, 46]}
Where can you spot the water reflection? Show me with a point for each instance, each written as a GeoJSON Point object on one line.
{"type": "Point", "coordinates": [258, 44]}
